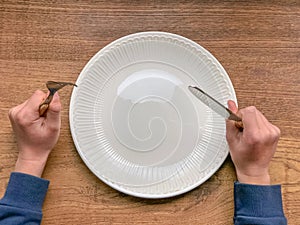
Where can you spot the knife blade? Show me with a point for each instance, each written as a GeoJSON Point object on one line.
{"type": "Point", "coordinates": [216, 106]}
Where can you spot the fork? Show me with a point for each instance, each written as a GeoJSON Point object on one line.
{"type": "Point", "coordinates": [53, 87]}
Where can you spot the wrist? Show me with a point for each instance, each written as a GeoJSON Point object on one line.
{"type": "Point", "coordinates": [31, 167]}
{"type": "Point", "coordinates": [263, 179]}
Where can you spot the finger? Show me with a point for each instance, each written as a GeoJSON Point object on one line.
{"type": "Point", "coordinates": [13, 111]}
{"type": "Point", "coordinates": [28, 103]}
{"type": "Point", "coordinates": [53, 113]}
{"type": "Point", "coordinates": [251, 120]}
{"type": "Point", "coordinates": [276, 133]}
{"type": "Point", "coordinates": [27, 111]}
{"type": "Point", "coordinates": [264, 120]}
{"type": "Point", "coordinates": [269, 128]}
{"type": "Point", "coordinates": [276, 130]}
{"type": "Point", "coordinates": [35, 100]}
{"type": "Point", "coordinates": [231, 130]}
{"type": "Point", "coordinates": [232, 106]}
{"type": "Point", "coordinates": [55, 105]}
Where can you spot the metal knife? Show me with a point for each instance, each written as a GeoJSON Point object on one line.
{"type": "Point", "coordinates": [216, 106]}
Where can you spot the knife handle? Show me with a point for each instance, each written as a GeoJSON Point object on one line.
{"type": "Point", "coordinates": [239, 125]}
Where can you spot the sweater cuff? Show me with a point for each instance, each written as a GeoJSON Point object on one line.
{"type": "Point", "coordinates": [25, 191]}
{"type": "Point", "coordinates": [258, 200]}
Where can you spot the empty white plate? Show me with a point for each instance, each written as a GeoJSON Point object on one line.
{"type": "Point", "coordinates": [136, 125]}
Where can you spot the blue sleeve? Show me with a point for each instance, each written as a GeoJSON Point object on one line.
{"type": "Point", "coordinates": [258, 204]}
{"type": "Point", "coordinates": [23, 200]}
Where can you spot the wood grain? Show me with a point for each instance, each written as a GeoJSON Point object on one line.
{"type": "Point", "coordinates": [258, 43]}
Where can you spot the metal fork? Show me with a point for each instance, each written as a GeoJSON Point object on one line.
{"type": "Point", "coordinates": [53, 87]}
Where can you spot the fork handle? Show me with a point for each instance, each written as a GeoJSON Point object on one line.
{"type": "Point", "coordinates": [45, 105]}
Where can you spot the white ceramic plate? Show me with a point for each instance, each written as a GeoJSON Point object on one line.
{"type": "Point", "coordinates": [136, 125]}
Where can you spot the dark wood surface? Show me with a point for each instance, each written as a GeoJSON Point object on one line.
{"type": "Point", "coordinates": [257, 42]}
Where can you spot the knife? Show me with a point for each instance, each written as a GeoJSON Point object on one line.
{"type": "Point", "coordinates": [216, 106]}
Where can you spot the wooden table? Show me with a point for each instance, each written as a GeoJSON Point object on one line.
{"type": "Point", "coordinates": [258, 43]}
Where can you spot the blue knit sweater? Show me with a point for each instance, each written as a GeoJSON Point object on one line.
{"type": "Point", "coordinates": [25, 194]}
{"type": "Point", "coordinates": [258, 204]}
{"type": "Point", "coordinates": [23, 200]}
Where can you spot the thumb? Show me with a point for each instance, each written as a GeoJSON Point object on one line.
{"type": "Point", "coordinates": [53, 113]}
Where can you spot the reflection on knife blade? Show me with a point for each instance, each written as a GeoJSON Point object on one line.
{"type": "Point", "coordinates": [216, 106]}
